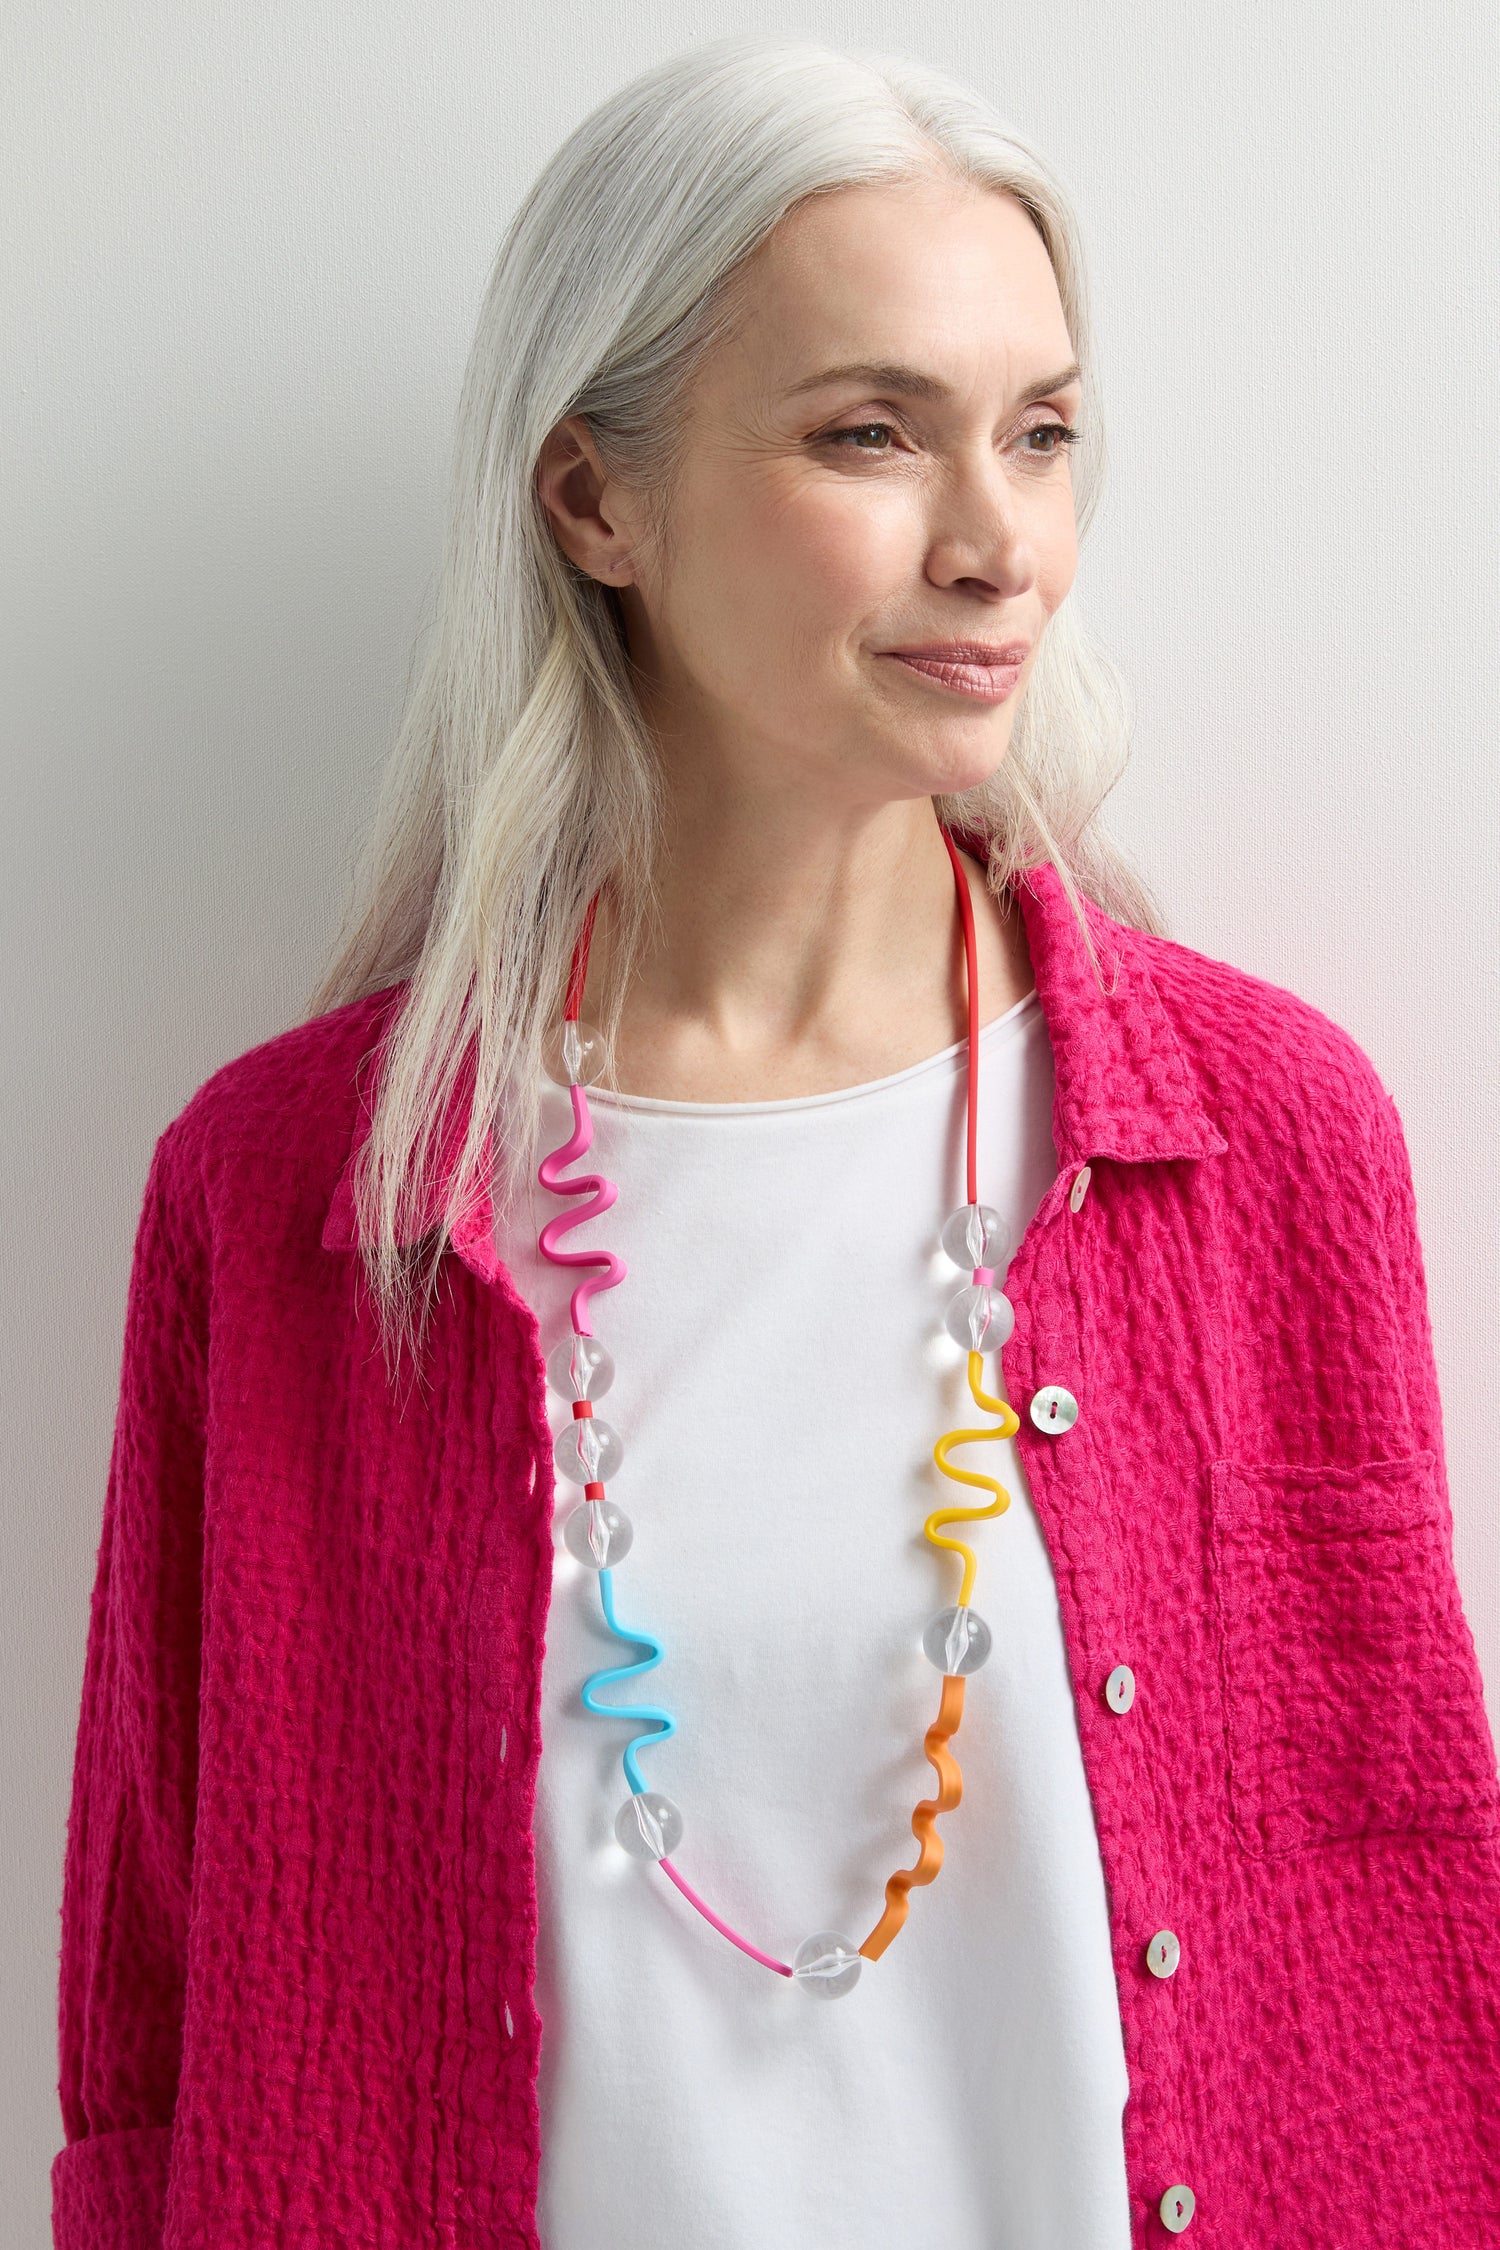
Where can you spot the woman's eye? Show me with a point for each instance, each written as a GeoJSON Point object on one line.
{"type": "Point", "coordinates": [859, 430]}
{"type": "Point", "coordinates": [851, 439]}
{"type": "Point", "coordinates": [1064, 433]}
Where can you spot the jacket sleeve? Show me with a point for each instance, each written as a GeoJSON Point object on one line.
{"type": "Point", "coordinates": [1413, 1328]}
{"type": "Point", "coordinates": [128, 1858]}
{"type": "Point", "coordinates": [1409, 1284]}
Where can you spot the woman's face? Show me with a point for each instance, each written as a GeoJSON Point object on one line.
{"type": "Point", "coordinates": [921, 499]}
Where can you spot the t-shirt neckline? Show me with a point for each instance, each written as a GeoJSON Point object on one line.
{"type": "Point", "coordinates": [989, 1034]}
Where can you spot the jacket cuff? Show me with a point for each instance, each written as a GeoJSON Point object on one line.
{"type": "Point", "coordinates": [109, 2190]}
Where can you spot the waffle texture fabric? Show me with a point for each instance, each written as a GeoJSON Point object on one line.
{"type": "Point", "coordinates": [783, 1374]}
{"type": "Point", "coordinates": [299, 1909]}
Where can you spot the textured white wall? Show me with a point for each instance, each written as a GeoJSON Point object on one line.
{"type": "Point", "coordinates": [244, 251]}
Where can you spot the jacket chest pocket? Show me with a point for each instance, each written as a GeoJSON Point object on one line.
{"type": "Point", "coordinates": [1352, 1694]}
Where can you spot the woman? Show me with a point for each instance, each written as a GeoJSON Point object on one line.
{"type": "Point", "coordinates": [473, 1788]}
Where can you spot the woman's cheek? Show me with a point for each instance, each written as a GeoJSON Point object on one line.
{"type": "Point", "coordinates": [1055, 544]}
{"type": "Point", "coordinates": [854, 549]}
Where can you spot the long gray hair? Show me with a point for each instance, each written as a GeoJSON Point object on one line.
{"type": "Point", "coordinates": [523, 777]}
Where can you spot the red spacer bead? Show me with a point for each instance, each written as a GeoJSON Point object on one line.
{"type": "Point", "coordinates": [593, 1492]}
{"type": "Point", "coordinates": [583, 1409]}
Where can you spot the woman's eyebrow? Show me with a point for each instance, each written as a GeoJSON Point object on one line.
{"type": "Point", "coordinates": [890, 375]}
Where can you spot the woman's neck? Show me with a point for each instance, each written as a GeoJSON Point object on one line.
{"type": "Point", "coordinates": [800, 957]}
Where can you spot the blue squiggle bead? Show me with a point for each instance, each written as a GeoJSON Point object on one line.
{"type": "Point", "coordinates": [667, 1724]}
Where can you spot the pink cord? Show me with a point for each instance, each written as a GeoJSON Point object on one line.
{"type": "Point", "coordinates": [782, 1968]}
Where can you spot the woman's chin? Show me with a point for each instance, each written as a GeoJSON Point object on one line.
{"type": "Point", "coordinates": [954, 768]}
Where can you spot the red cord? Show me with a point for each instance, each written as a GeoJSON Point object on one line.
{"type": "Point", "coordinates": [971, 965]}
{"type": "Point", "coordinates": [580, 969]}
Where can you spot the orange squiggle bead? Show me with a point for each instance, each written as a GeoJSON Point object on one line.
{"type": "Point", "coordinates": [924, 1819]}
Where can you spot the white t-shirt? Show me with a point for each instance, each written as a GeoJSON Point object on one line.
{"type": "Point", "coordinates": [782, 1376]}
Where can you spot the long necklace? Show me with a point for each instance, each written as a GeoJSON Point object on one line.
{"type": "Point", "coordinates": [588, 1451]}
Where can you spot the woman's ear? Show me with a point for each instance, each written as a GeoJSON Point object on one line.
{"type": "Point", "coordinates": [583, 502]}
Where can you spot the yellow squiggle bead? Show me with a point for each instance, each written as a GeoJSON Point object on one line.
{"type": "Point", "coordinates": [1009, 1424]}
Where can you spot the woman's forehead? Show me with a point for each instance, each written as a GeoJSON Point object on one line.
{"type": "Point", "coordinates": [888, 280]}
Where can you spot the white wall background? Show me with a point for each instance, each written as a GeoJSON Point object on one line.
{"type": "Point", "coordinates": [244, 248]}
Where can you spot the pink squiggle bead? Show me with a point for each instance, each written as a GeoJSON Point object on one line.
{"type": "Point", "coordinates": [601, 1193]}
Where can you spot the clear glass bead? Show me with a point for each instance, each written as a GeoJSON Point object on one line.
{"type": "Point", "coordinates": [957, 1640]}
{"type": "Point", "coordinates": [827, 1965]}
{"type": "Point", "coordinates": [980, 1318]}
{"type": "Point", "coordinates": [648, 1825]}
{"type": "Point", "coordinates": [599, 1534]}
{"type": "Point", "coordinates": [573, 1053]}
{"type": "Point", "coordinates": [588, 1449]}
{"type": "Point", "coordinates": [580, 1366]}
{"type": "Point", "coordinates": [976, 1235]}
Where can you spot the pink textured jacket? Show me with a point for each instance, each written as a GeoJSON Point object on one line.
{"type": "Point", "coordinates": [299, 1911]}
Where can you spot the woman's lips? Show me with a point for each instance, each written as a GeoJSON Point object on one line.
{"type": "Point", "coordinates": [991, 683]}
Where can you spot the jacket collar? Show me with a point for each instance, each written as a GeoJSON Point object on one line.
{"type": "Point", "coordinates": [1124, 1087]}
